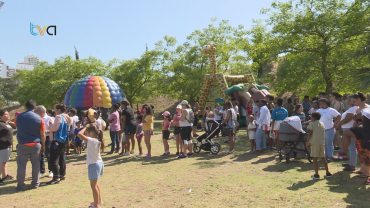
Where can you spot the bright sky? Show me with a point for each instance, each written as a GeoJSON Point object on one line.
{"type": "Point", "coordinates": [110, 28]}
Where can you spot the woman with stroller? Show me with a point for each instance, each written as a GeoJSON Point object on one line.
{"type": "Point", "coordinates": [327, 116]}
{"type": "Point", "coordinates": [229, 123]}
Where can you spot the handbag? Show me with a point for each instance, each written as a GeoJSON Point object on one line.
{"type": "Point", "coordinates": [266, 127]}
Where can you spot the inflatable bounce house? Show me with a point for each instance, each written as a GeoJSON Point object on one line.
{"type": "Point", "coordinates": [241, 86]}
{"type": "Point", "coordinates": [93, 91]}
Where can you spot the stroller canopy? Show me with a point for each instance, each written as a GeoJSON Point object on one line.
{"type": "Point", "coordinates": [295, 122]}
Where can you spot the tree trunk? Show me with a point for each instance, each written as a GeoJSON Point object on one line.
{"type": "Point", "coordinates": [329, 87]}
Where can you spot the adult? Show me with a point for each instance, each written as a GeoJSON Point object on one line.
{"type": "Point", "coordinates": [229, 122]}
{"type": "Point", "coordinates": [270, 105]}
{"type": "Point", "coordinates": [277, 117]}
{"type": "Point", "coordinates": [99, 122]}
{"type": "Point", "coordinates": [205, 115]}
{"type": "Point", "coordinates": [41, 111]}
{"type": "Point", "coordinates": [327, 116]}
{"type": "Point", "coordinates": [306, 105]}
{"type": "Point", "coordinates": [177, 128]}
{"type": "Point", "coordinates": [263, 123]}
{"type": "Point", "coordinates": [185, 131]}
{"type": "Point", "coordinates": [30, 133]}
{"type": "Point", "coordinates": [148, 128]}
{"type": "Point", "coordinates": [128, 126]}
{"type": "Point", "coordinates": [256, 109]}
{"type": "Point", "coordinates": [235, 105]}
{"type": "Point", "coordinates": [346, 102]}
{"type": "Point", "coordinates": [289, 106]}
{"type": "Point", "coordinates": [346, 123]}
{"type": "Point", "coordinates": [61, 127]}
{"type": "Point", "coordinates": [358, 100]}
{"type": "Point", "coordinates": [71, 136]}
{"type": "Point", "coordinates": [334, 103]}
{"type": "Point", "coordinates": [6, 141]}
{"type": "Point", "coordinates": [115, 128]}
{"type": "Point", "coordinates": [196, 119]}
{"type": "Point", "coordinates": [217, 114]}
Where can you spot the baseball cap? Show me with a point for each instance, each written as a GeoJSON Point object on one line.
{"type": "Point", "coordinates": [166, 113]}
{"type": "Point", "coordinates": [184, 102]}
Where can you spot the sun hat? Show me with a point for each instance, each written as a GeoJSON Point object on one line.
{"type": "Point", "coordinates": [179, 107]}
{"type": "Point", "coordinates": [166, 113]}
{"type": "Point", "coordinates": [184, 102]}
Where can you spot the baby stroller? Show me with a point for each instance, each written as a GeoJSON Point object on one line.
{"type": "Point", "coordinates": [294, 139]}
{"type": "Point", "coordinates": [212, 129]}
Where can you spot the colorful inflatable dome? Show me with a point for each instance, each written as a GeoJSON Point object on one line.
{"type": "Point", "coordinates": [93, 91]}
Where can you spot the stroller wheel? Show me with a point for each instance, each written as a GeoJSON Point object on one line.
{"type": "Point", "coordinates": [219, 146]}
{"type": "Point", "coordinates": [196, 149]}
{"type": "Point", "coordinates": [215, 148]}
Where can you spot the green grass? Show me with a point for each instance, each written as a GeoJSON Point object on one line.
{"type": "Point", "coordinates": [237, 180]}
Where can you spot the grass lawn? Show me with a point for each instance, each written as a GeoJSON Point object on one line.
{"type": "Point", "coordinates": [237, 180]}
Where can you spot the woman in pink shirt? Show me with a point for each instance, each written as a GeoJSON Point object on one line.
{"type": "Point", "coordinates": [115, 127]}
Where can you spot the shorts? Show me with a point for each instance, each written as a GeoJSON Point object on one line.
{"type": "Point", "coordinates": [276, 126]}
{"type": "Point", "coordinates": [148, 132]}
{"type": "Point", "coordinates": [317, 150]}
{"type": "Point", "coordinates": [5, 155]}
{"type": "Point", "coordinates": [78, 143]}
{"type": "Point", "coordinates": [177, 130]}
{"type": "Point", "coordinates": [95, 170]}
{"type": "Point", "coordinates": [185, 133]}
{"type": "Point", "coordinates": [252, 135]}
{"type": "Point", "coordinates": [123, 138]}
{"type": "Point", "coordinates": [236, 123]}
{"type": "Point", "coordinates": [166, 134]}
{"type": "Point", "coordinates": [130, 129]}
{"type": "Point", "coordinates": [229, 131]}
{"type": "Point", "coordinates": [139, 135]}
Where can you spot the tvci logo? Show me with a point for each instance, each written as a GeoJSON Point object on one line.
{"type": "Point", "coordinates": [42, 31]}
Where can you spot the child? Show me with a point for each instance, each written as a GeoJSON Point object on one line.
{"type": "Point", "coordinates": [93, 158]}
{"type": "Point", "coordinates": [252, 132]}
{"type": "Point", "coordinates": [98, 122]}
{"type": "Point", "coordinates": [78, 141]}
{"type": "Point", "coordinates": [139, 133]}
{"type": "Point", "coordinates": [166, 124]}
{"type": "Point", "coordinates": [316, 138]}
{"type": "Point", "coordinates": [177, 128]}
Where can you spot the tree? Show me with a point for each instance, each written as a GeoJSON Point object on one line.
{"type": "Point", "coordinates": [316, 40]}
{"type": "Point", "coordinates": [185, 67]}
{"type": "Point", "coordinates": [48, 84]}
{"type": "Point", "coordinates": [8, 88]}
{"type": "Point", "coordinates": [137, 77]}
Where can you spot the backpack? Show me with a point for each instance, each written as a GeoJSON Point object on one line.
{"type": "Point", "coordinates": [62, 133]}
{"type": "Point", "coordinates": [191, 116]}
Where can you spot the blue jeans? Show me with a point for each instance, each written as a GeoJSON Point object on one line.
{"type": "Point", "coordinates": [352, 151]}
{"type": "Point", "coordinates": [260, 139]}
{"type": "Point", "coordinates": [329, 146]}
{"type": "Point", "coordinates": [115, 140]}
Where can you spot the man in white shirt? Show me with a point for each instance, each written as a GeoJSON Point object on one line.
{"type": "Point", "coordinates": [263, 121]}
{"type": "Point", "coordinates": [41, 111]}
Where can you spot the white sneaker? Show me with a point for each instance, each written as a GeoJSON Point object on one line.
{"type": "Point", "coordinates": [50, 174]}
{"type": "Point", "coordinates": [229, 152]}
{"type": "Point", "coordinates": [132, 151]}
{"type": "Point", "coordinates": [139, 155]}
{"type": "Point", "coordinates": [237, 138]}
{"type": "Point", "coordinates": [125, 154]}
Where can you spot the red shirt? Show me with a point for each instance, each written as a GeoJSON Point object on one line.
{"type": "Point", "coordinates": [249, 110]}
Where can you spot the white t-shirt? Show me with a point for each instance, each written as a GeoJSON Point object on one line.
{"type": "Point", "coordinates": [236, 108]}
{"type": "Point", "coordinates": [98, 122]}
{"type": "Point", "coordinates": [46, 119]}
{"type": "Point", "coordinates": [217, 117]}
{"type": "Point", "coordinates": [351, 122]}
{"type": "Point", "coordinates": [327, 116]}
{"type": "Point", "coordinates": [74, 119]}
{"type": "Point", "coordinates": [93, 151]}
{"type": "Point", "coordinates": [186, 122]}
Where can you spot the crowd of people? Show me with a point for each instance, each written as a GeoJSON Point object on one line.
{"type": "Point", "coordinates": [333, 123]}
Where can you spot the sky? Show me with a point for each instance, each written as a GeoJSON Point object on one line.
{"type": "Point", "coordinates": [111, 28]}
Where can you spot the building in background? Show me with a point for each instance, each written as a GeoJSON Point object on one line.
{"type": "Point", "coordinates": [11, 72]}
{"type": "Point", "coordinates": [34, 60]}
{"type": "Point", "coordinates": [24, 66]}
{"type": "Point", "coordinates": [3, 70]}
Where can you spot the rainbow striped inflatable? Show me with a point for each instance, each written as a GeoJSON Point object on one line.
{"type": "Point", "coordinates": [93, 91]}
